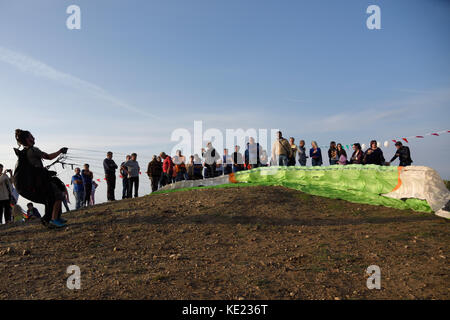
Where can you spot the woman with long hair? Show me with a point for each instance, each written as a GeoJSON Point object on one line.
{"type": "Point", "coordinates": [333, 156]}
{"type": "Point", "coordinates": [54, 188]}
{"type": "Point", "coordinates": [358, 154]}
{"type": "Point", "coordinates": [341, 154]}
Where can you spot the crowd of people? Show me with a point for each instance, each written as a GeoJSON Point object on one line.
{"type": "Point", "coordinates": [164, 169]}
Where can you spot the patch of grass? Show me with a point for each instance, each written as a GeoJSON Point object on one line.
{"type": "Point", "coordinates": [429, 234]}
{"type": "Point", "coordinates": [355, 268]}
{"type": "Point", "coordinates": [359, 213]}
{"type": "Point", "coordinates": [160, 277]}
{"type": "Point", "coordinates": [323, 253]}
{"type": "Point", "coordinates": [304, 197]}
{"type": "Point", "coordinates": [262, 283]}
{"type": "Point", "coordinates": [343, 256]}
{"type": "Point", "coordinates": [372, 219]}
{"type": "Point", "coordinates": [316, 268]}
{"type": "Point", "coordinates": [336, 206]}
{"type": "Point", "coordinates": [403, 236]}
{"type": "Point", "coordinates": [229, 185]}
{"type": "Point", "coordinates": [137, 270]}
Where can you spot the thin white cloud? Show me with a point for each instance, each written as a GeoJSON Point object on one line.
{"type": "Point", "coordinates": [297, 100]}
{"type": "Point", "coordinates": [379, 113]}
{"type": "Point", "coordinates": [358, 120]}
{"type": "Point", "coordinates": [411, 91]}
{"type": "Point", "coordinates": [37, 68]}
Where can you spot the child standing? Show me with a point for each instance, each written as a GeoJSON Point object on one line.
{"type": "Point", "coordinates": [94, 187]}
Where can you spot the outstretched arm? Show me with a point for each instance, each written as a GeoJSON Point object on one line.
{"type": "Point", "coordinates": [53, 155]}
{"type": "Point", "coordinates": [394, 157]}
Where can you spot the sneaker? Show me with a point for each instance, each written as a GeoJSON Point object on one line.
{"type": "Point", "coordinates": [62, 220]}
{"type": "Point", "coordinates": [57, 223]}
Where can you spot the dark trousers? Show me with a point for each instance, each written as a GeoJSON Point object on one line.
{"type": "Point", "coordinates": [316, 162]}
{"type": "Point", "coordinates": [228, 169]}
{"type": "Point", "coordinates": [180, 176]}
{"type": "Point", "coordinates": [111, 183]}
{"type": "Point", "coordinates": [124, 188]}
{"type": "Point", "coordinates": [87, 193]}
{"type": "Point", "coordinates": [291, 162]}
{"type": "Point", "coordinates": [155, 182]}
{"type": "Point", "coordinates": [210, 170]}
{"type": "Point", "coordinates": [66, 205]}
{"type": "Point", "coordinates": [5, 210]}
{"type": "Point", "coordinates": [166, 179]}
{"type": "Point", "coordinates": [162, 180]}
{"type": "Point", "coordinates": [133, 181]}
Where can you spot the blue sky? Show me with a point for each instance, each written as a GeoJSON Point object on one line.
{"type": "Point", "coordinates": [137, 70]}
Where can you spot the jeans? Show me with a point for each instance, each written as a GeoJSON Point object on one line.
{"type": "Point", "coordinates": [228, 169]}
{"type": "Point", "coordinates": [79, 199]}
{"type": "Point", "coordinates": [316, 162]}
{"type": "Point", "coordinates": [236, 168]}
{"type": "Point", "coordinates": [111, 182]}
{"type": "Point", "coordinates": [283, 160]}
{"type": "Point", "coordinates": [180, 176]}
{"type": "Point", "coordinates": [210, 171]}
{"type": "Point", "coordinates": [333, 162]}
{"type": "Point", "coordinates": [124, 188]}
{"type": "Point", "coordinates": [302, 162]}
{"type": "Point", "coordinates": [154, 182]}
{"type": "Point", "coordinates": [162, 180]}
{"type": "Point", "coordinates": [133, 181]}
{"type": "Point", "coordinates": [5, 210]}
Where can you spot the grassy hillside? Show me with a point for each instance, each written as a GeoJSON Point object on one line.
{"type": "Point", "coordinates": [233, 243]}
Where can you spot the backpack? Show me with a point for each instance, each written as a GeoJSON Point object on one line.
{"type": "Point", "coordinates": [31, 182]}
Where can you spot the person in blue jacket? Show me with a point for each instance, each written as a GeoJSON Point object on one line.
{"type": "Point", "coordinates": [315, 154]}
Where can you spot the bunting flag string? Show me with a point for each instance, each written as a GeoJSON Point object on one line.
{"type": "Point", "coordinates": [86, 154]}
{"type": "Point", "coordinates": [405, 139]}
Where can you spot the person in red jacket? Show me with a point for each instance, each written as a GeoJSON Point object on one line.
{"type": "Point", "coordinates": [167, 169]}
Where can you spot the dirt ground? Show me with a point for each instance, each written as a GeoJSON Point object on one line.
{"type": "Point", "coordinates": [232, 243]}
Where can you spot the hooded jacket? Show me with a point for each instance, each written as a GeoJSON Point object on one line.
{"type": "Point", "coordinates": [167, 165]}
